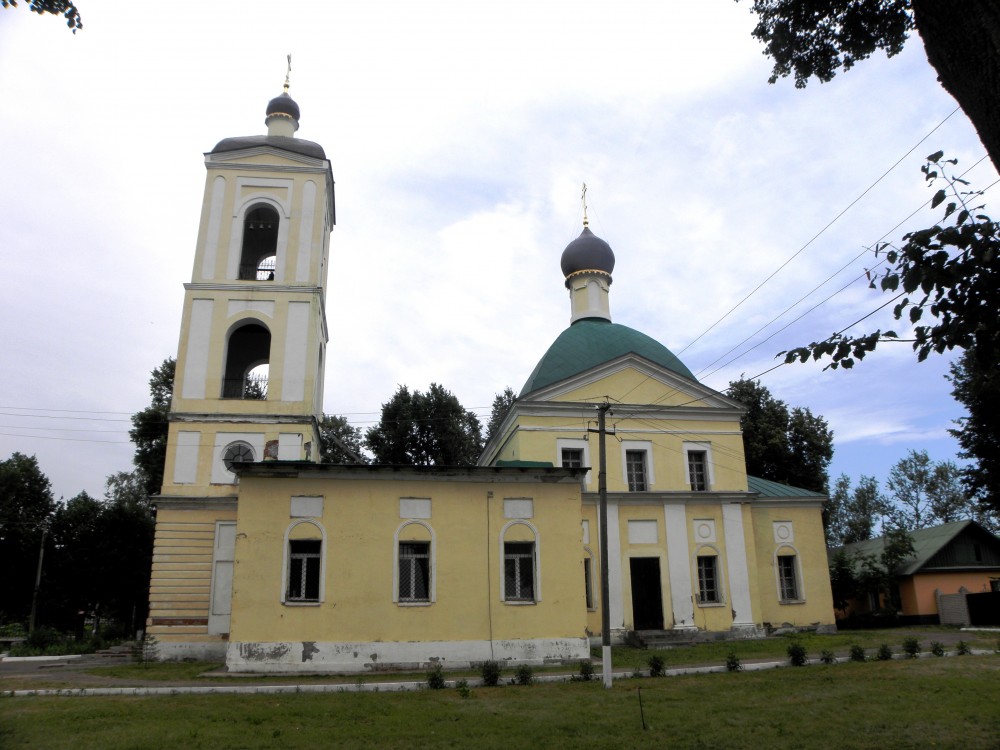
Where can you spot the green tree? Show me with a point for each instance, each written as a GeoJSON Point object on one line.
{"type": "Point", "coordinates": [424, 429]}
{"type": "Point", "coordinates": [854, 515]}
{"type": "Point", "coordinates": [340, 441]}
{"type": "Point", "coordinates": [501, 405]}
{"type": "Point", "coordinates": [150, 427]}
{"type": "Point", "coordinates": [26, 507]}
{"type": "Point", "coordinates": [807, 38]}
{"type": "Point", "coordinates": [976, 385]}
{"type": "Point", "coordinates": [64, 8]}
{"type": "Point", "coordinates": [789, 446]}
{"type": "Point", "coordinates": [843, 579]}
{"type": "Point", "coordinates": [909, 482]}
{"type": "Point", "coordinates": [878, 573]}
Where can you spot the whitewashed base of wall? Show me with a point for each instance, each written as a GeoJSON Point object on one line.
{"type": "Point", "coordinates": [309, 656]}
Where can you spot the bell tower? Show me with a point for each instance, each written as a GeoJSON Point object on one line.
{"type": "Point", "coordinates": [250, 362]}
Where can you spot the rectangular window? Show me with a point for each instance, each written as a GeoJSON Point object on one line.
{"type": "Point", "coordinates": [788, 583]}
{"type": "Point", "coordinates": [697, 471]}
{"type": "Point", "coordinates": [572, 458]}
{"type": "Point", "coordinates": [635, 469]}
{"type": "Point", "coordinates": [519, 571]}
{"type": "Point", "coordinates": [588, 581]}
{"type": "Point", "coordinates": [708, 580]}
{"type": "Point", "coordinates": [303, 570]}
{"type": "Point", "coordinates": [414, 571]}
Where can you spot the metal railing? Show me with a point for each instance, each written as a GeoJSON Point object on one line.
{"type": "Point", "coordinates": [262, 271]}
{"type": "Point", "coordinates": [250, 388]}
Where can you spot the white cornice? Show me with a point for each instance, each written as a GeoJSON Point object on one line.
{"type": "Point", "coordinates": [239, 286]}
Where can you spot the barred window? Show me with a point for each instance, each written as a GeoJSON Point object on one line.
{"type": "Point", "coordinates": [708, 580]}
{"type": "Point", "coordinates": [414, 571]}
{"type": "Point", "coordinates": [303, 570]}
{"type": "Point", "coordinates": [519, 571]}
{"type": "Point", "coordinates": [788, 582]}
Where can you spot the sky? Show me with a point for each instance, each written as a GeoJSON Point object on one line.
{"type": "Point", "coordinates": [459, 136]}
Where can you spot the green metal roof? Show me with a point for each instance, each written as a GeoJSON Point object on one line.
{"type": "Point", "coordinates": [926, 543]}
{"type": "Point", "coordinates": [767, 488]}
{"type": "Point", "coordinates": [590, 342]}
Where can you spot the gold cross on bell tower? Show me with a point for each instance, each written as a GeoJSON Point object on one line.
{"type": "Point", "coordinates": [583, 198]}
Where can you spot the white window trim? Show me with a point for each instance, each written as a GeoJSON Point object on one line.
{"type": "Point", "coordinates": [785, 550]}
{"type": "Point", "coordinates": [707, 550]}
{"type": "Point", "coordinates": [285, 559]}
{"type": "Point", "coordinates": [709, 464]}
{"type": "Point", "coordinates": [432, 565]}
{"type": "Point", "coordinates": [639, 445]}
{"type": "Point", "coordinates": [574, 444]}
{"type": "Point", "coordinates": [537, 563]}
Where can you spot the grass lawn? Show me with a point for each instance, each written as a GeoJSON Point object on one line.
{"type": "Point", "coordinates": [948, 703]}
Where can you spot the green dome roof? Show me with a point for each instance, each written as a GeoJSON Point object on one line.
{"type": "Point", "coordinates": [591, 342]}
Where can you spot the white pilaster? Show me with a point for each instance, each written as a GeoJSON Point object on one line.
{"type": "Point", "coordinates": [736, 561]}
{"type": "Point", "coordinates": [679, 566]}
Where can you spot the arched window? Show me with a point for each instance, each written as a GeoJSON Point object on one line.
{"type": "Point", "coordinates": [304, 574]}
{"type": "Point", "coordinates": [414, 552]}
{"type": "Point", "coordinates": [248, 353]}
{"type": "Point", "coordinates": [788, 575]}
{"type": "Point", "coordinates": [520, 575]}
{"type": "Point", "coordinates": [260, 244]}
{"type": "Point", "coordinates": [711, 587]}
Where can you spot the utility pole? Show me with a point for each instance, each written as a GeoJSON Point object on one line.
{"type": "Point", "coordinates": [602, 489]}
{"type": "Point", "coordinates": [38, 580]}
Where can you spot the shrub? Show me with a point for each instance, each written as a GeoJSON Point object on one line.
{"type": "Point", "coordinates": [857, 653]}
{"type": "Point", "coordinates": [490, 671]}
{"type": "Point", "coordinates": [884, 652]}
{"type": "Point", "coordinates": [462, 686]}
{"type": "Point", "coordinates": [797, 655]}
{"type": "Point", "coordinates": [911, 647]}
{"type": "Point", "coordinates": [963, 648]}
{"type": "Point", "coordinates": [656, 665]}
{"type": "Point", "coordinates": [937, 648]}
{"type": "Point", "coordinates": [435, 678]}
{"type": "Point", "coordinates": [524, 675]}
{"type": "Point", "coordinates": [827, 657]}
{"type": "Point", "coordinates": [733, 663]}
{"type": "Point", "coordinates": [43, 638]}
{"type": "Point", "coordinates": [586, 670]}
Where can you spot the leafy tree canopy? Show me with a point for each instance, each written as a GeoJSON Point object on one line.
{"type": "Point", "coordinates": [26, 505]}
{"type": "Point", "coordinates": [64, 8]}
{"type": "Point", "coordinates": [976, 385]}
{"type": "Point", "coordinates": [340, 441]}
{"type": "Point", "coordinates": [854, 515]}
{"type": "Point", "coordinates": [150, 427]}
{"type": "Point", "coordinates": [791, 446]}
{"type": "Point", "coordinates": [424, 429]}
{"type": "Point", "coordinates": [501, 405]}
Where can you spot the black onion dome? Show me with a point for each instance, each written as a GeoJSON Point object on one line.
{"type": "Point", "coordinates": [588, 252]}
{"type": "Point", "coordinates": [283, 104]}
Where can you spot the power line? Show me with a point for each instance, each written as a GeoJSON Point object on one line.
{"type": "Point", "coordinates": [817, 235]}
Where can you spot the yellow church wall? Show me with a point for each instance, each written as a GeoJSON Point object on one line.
{"type": "Point", "coordinates": [808, 544]}
{"type": "Point", "coordinates": [277, 323]}
{"type": "Point", "coordinates": [210, 432]}
{"type": "Point", "coordinates": [360, 519]}
{"type": "Point", "coordinates": [250, 187]}
{"type": "Point", "coordinates": [537, 435]}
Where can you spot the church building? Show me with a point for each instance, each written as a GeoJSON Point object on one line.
{"type": "Point", "coordinates": [273, 561]}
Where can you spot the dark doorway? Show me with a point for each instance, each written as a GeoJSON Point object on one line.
{"type": "Point", "coordinates": [647, 599]}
